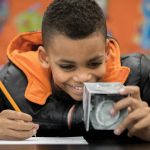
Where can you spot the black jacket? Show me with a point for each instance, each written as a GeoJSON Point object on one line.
{"type": "Point", "coordinates": [52, 116]}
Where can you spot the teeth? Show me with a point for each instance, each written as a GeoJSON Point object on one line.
{"type": "Point", "coordinates": [78, 88]}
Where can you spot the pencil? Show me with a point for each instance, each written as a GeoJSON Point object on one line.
{"type": "Point", "coordinates": [9, 98]}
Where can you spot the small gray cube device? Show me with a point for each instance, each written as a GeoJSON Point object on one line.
{"type": "Point", "coordinates": [98, 100]}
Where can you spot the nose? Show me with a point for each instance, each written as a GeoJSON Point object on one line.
{"type": "Point", "coordinates": [82, 76]}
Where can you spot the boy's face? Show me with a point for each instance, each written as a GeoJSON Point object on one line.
{"type": "Point", "coordinates": [74, 62]}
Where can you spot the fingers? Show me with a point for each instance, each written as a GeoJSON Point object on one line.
{"type": "Point", "coordinates": [16, 125]}
{"type": "Point", "coordinates": [141, 124]}
{"type": "Point", "coordinates": [10, 114]}
{"type": "Point", "coordinates": [127, 102]}
{"type": "Point", "coordinates": [133, 101]}
{"type": "Point", "coordinates": [133, 91]}
{"type": "Point", "coordinates": [17, 135]}
{"type": "Point", "coordinates": [21, 125]}
{"type": "Point", "coordinates": [138, 119]}
{"type": "Point", "coordinates": [134, 121]}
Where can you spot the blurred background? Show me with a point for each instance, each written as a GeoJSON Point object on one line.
{"type": "Point", "coordinates": [127, 20]}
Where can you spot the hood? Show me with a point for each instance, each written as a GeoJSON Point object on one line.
{"type": "Point", "coordinates": [114, 71]}
{"type": "Point", "coordinates": [22, 51]}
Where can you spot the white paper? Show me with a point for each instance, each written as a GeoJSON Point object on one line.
{"type": "Point", "coordinates": [47, 140]}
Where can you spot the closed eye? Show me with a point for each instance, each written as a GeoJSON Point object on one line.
{"type": "Point", "coordinates": [94, 65]}
{"type": "Point", "coordinates": [67, 67]}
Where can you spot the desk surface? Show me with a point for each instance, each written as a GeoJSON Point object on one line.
{"type": "Point", "coordinates": [94, 144]}
{"type": "Point", "coordinates": [137, 146]}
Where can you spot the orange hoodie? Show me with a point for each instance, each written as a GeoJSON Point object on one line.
{"type": "Point", "coordinates": [38, 89]}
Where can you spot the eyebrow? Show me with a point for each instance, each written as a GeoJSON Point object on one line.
{"type": "Point", "coordinates": [96, 58]}
{"type": "Point", "coordinates": [90, 60]}
{"type": "Point", "coordinates": [66, 61]}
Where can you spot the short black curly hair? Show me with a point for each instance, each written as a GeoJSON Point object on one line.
{"type": "Point", "coordinates": [75, 19]}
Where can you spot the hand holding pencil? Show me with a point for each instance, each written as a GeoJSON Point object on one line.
{"type": "Point", "coordinates": [14, 124]}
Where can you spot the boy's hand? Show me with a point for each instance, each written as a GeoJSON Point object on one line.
{"type": "Point", "coordinates": [16, 125]}
{"type": "Point", "coordinates": [138, 119]}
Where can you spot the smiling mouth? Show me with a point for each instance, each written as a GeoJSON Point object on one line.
{"type": "Point", "coordinates": [76, 89]}
{"type": "Point", "coordinates": [76, 86]}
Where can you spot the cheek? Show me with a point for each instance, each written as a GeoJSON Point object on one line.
{"type": "Point", "coordinates": [59, 77]}
{"type": "Point", "coordinates": [100, 72]}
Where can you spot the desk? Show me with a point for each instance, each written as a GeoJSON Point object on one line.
{"type": "Point", "coordinates": [76, 143]}
{"type": "Point", "coordinates": [144, 146]}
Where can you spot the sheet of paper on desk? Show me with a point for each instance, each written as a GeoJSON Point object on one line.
{"type": "Point", "coordinates": [47, 140]}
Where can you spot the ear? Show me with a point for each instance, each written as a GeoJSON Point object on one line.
{"type": "Point", "coordinates": [107, 49]}
{"type": "Point", "coordinates": [43, 57]}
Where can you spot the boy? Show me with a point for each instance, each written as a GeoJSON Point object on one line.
{"type": "Point", "coordinates": [45, 76]}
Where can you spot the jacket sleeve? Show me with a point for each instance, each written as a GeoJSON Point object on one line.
{"type": "Point", "coordinates": [52, 116]}
{"type": "Point", "coordinates": [2, 77]}
{"type": "Point", "coordinates": [145, 78]}
{"type": "Point", "coordinates": [139, 65]}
